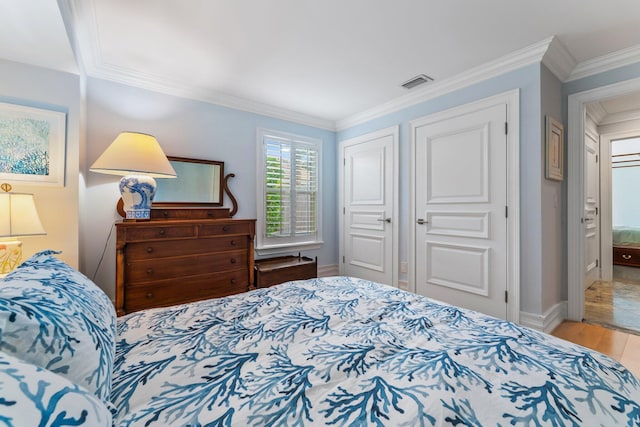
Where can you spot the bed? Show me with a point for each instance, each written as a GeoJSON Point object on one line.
{"type": "Point", "coordinates": [626, 246]}
{"type": "Point", "coordinates": [333, 351]}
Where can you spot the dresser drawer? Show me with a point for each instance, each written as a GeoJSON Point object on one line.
{"type": "Point", "coordinates": [225, 228]}
{"type": "Point", "coordinates": [160, 232]}
{"type": "Point", "coordinates": [169, 268]}
{"type": "Point", "coordinates": [189, 213]}
{"type": "Point", "coordinates": [163, 293]}
{"type": "Point", "coordinates": [629, 256]}
{"type": "Point", "coordinates": [159, 249]}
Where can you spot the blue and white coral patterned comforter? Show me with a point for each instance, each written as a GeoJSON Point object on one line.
{"type": "Point", "coordinates": [348, 352]}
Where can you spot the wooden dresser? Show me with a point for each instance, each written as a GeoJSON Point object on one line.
{"type": "Point", "coordinates": [171, 261]}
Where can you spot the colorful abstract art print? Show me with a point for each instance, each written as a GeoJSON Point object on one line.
{"type": "Point", "coordinates": [32, 145]}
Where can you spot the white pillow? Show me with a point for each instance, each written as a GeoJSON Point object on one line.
{"type": "Point", "coordinates": [54, 317]}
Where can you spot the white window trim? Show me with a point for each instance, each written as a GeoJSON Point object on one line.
{"type": "Point", "coordinates": [265, 246]}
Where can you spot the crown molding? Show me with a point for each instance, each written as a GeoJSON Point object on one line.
{"type": "Point", "coordinates": [515, 60]}
{"type": "Point", "coordinates": [161, 84]}
{"type": "Point", "coordinates": [558, 59]}
{"type": "Point", "coordinates": [604, 63]}
{"type": "Point", "coordinates": [82, 23]}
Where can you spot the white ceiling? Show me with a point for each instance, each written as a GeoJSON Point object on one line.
{"type": "Point", "coordinates": [616, 110]}
{"type": "Point", "coordinates": [621, 104]}
{"type": "Point", "coordinates": [32, 32]}
{"type": "Point", "coordinates": [327, 59]}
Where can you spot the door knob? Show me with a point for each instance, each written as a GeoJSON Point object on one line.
{"type": "Point", "coordinates": [384, 219]}
{"type": "Point", "coordinates": [422, 221]}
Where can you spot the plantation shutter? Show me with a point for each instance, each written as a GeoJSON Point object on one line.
{"type": "Point", "coordinates": [306, 160]}
{"type": "Point", "coordinates": [278, 189]}
{"type": "Point", "coordinates": [291, 187]}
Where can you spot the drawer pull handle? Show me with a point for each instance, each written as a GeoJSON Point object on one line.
{"type": "Point", "coordinates": [625, 256]}
{"type": "Point", "coordinates": [149, 249]}
{"type": "Point", "coordinates": [233, 261]}
{"type": "Point", "coordinates": [149, 295]}
{"type": "Point", "coordinates": [225, 228]}
{"type": "Point", "coordinates": [162, 231]}
{"type": "Point", "coordinates": [149, 270]}
{"type": "Point", "coordinates": [165, 213]}
{"type": "Point", "coordinates": [233, 243]}
{"type": "Point", "coordinates": [233, 281]}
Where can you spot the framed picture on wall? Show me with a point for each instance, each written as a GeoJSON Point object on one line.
{"type": "Point", "coordinates": [32, 145]}
{"type": "Point", "coordinates": [554, 164]}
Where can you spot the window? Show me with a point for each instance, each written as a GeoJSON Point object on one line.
{"type": "Point", "coordinates": [288, 191]}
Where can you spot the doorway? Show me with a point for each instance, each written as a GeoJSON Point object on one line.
{"type": "Point", "coordinates": [614, 300]}
{"type": "Point", "coordinates": [576, 184]}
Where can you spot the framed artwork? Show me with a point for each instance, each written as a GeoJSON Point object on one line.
{"type": "Point", "coordinates": [554, 150]}
{"type": "Point", "coordinates": [32, 145]}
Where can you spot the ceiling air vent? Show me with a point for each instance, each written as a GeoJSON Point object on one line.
{"type": "Point", "coordinates": [416, 81]}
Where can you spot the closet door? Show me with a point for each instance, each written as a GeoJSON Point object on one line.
{"type": "Point", "coordinates": [460, 209]}
{"type": "Point", "coordinates": [368, 234]}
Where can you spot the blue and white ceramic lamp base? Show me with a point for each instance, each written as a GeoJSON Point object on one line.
{"type": "Point", "coordinates": [137, 195]}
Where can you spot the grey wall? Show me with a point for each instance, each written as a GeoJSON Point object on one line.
{"type": "Point", "coordinates": [527, 80]}
{"type": "Point", "coordinates": [58, 206]}
{"type": "Point", "coordinates": [184, 128]}
{"type": "Point", "coordinates": [553, 202]}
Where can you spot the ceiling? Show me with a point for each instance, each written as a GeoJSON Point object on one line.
{"type": "Point", "coordinates": [621, 104]}
{"type": "Point", "coordinates": [326, 59]}
{"type": "Point", "coordinates": [615, 110]}
{"type": "Point", "coordinates": [32, 32]}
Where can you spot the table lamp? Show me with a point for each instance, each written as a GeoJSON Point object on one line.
{"type": "Point", "coordinates": [18, 217]}
{"type": "Point", "coordinates": [139, 159]}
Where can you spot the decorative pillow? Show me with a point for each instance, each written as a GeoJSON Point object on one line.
{"type": "Point", "coordinates": [32, 396]}
{"type": "Point", "coordinates": [54, 317]}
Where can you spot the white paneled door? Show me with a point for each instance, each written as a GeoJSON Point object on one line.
{"type": "Point", "coordinates": [461, 209]}
{"type": "Point", "coordinates": [368, 207]}
{"type": "Point", "coordinates": [591, 219]}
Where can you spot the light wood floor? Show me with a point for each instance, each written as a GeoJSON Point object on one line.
{"type": "Point", "coordinates": [614, 304]}
{"type": "Point", "coordinates": [621, 346]}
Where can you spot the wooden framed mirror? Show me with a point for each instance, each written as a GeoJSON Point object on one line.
{"type": "Point", "coordinates": [199, 183]}
{"type": "Point", "coordinates": [197, 192]}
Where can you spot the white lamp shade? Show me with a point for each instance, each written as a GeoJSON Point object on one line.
{"type": "Point", "coordinates": [18, 215]}
{"type": "Point", "coordinates": [134, 153]}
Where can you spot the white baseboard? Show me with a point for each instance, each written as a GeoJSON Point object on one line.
{"type": "Point", "coordinates": [546, 322]}
{"type": "Point", "coordinates": [328, 270]}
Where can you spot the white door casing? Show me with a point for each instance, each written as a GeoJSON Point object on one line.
{"type": "Point", "coordinates": [465, 250]}
{"type": "Point", "coordinates": [575, 187]}
{"type": "Point", "coordinates": [591, 203]}
{"type": "Point", "coordinates": [369, 206]}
